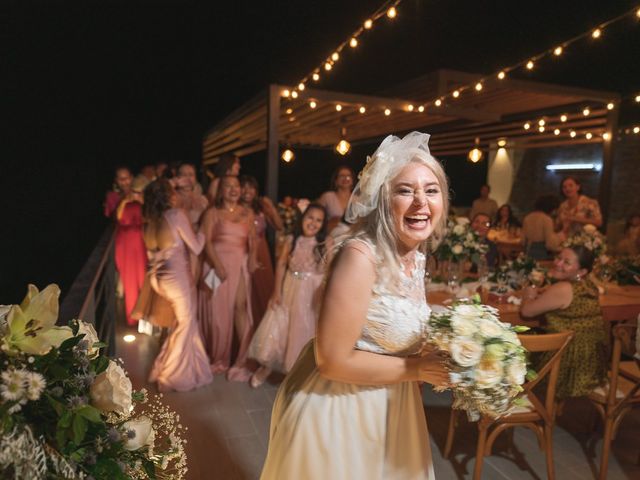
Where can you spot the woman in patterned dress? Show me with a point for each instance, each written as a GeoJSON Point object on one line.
{"type": "Point", "coordinates": [572, 304]}
{"type": "Point", "coordinates": [577, 209]}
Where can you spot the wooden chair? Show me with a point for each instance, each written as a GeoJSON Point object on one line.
{"type": "Point", "coordinates": [622, 393]}
{"type": "Point", "coordinates": [535, 414]}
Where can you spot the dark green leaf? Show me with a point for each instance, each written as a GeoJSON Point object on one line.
{"type": "Point", "coordinates": [57, 405]}
{"type": "Point", "coordinates": [90, 413]}
{"type": "Point", "coordinates": [79, 429]}
{"type": "Point", "coordinates": [101, 364]}
{"type": "Point", "coordinates": [65, 419]}
{"type": "Point", "coordinates": [150, 469]}
{"type": "Point", "coordinates": [71, 342]}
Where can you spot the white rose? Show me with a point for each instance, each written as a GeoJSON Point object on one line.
{"type": "Point", "coordinates": [463, 326]}
{"type": "Point", "coordinates": [489, 373]}
{"type": "Point", "coordinates": [465, 352]}
{"type": "Point", "coordinates": [468, 311]}
{"type": "Point", "coordinates": [462, 220]}
{"type": "Point", "coordinates": [457, 249]}
{"type": "Point", "coordinates": [490, 329]}
{"type": "Point", "coordinates": [459, 229]}
{"type": "Point", "coordinates": [90, 335]}
{"type": "Point", "coordinates": [143, 434]}
{"type": "Point", "coordinates": [590, 229]}
{"type": "Point", "coordinates": [516, 372]}
{"type": "Point", "coordinates": [111, 390]}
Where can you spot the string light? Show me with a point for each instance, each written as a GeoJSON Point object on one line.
{"type": "Point", "coordinates": [596, 33]}
{"type": "Point", "coordinates": [636, 129]}
{"type": "Point", "coordinates": [530, 65]}
{"type": "Point", "coordinates": [563, 118]}
{"type": "Point", "coordinates": [541, 122]}
{"type": "Point", "coordinates": [288, 156]}
{"type": "Point", "coordinates": [421, 108]}
{"type": "Point", "coordinates": [572, 134]}
{"type": "Point", "coordinates": [541, 128]}
{"type": "Point", "coordinates": [410, 108]}
{"type": "Point", "coordinates": [586, 112]}
{"type": "Point", "coordinates": [289, 111]}
{"type": "Point", "coordinates": [606, 136]}
{"type": "Point", "coordinates": [438, 102]}
{"type": "Point", "coordinates": [335, 56]}
{"type": "Point", "coordinates": [362, 109]}
{"type": "Point", "coordinates": [338, 107]}
{"type": "Point", "coordinates": [315, 76]}
{"type": "Point", "coordinates": [527, 126]}
{"type": "Point", "coordinates": [294, 94]}
{"type": "Point", "coordinates": [637, 99]}
{"type": "Point", "coordinates": [456, 93]}
{"type": "Point", "coordinates": [478, 86]}
{"type": "Point", "coordinates": [556, 131]}
{"type": "Point", "coordinates": [286, 93]}
{"type": "Point", "coordinates": [313, 104]}
{"type": "Point", "coordinates": [588, 135]}
{"type": "Point", "coordinates": [501, 75]}
{"type": "Point", "coordinates": [557, 51]}
{"type": "Point", "coordinates": [327, 66]}
{"type": "Point", "coordinates": [638, 13]}
{"type": "Point", "coordinates": [301, 86]}
{"type": "Point", "coordinates": [368, 24]}
{"type": "Point", "coordinates": [387, 112]}
{"type": "Point", "coordinates": [353, 43]}
{"type": "Point", "coordinates": [392, 12]}
{"type": "Point", "coordinates": [610, 106]}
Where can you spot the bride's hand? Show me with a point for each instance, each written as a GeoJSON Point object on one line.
{"type": "Point", "coordinates": [432, 368]}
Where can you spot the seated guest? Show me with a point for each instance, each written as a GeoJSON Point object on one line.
{"type": "Point", "coordinates": [572, 304]}
{"type": "Point", "coordinates": [484, 204]}
{"type": "Point", "coordinates": [539, 237]}
{"type": "Point", "coordinates": [630, 243]}
{"type": "Point", "coordinates": [577, 210]}
{"type": "Point", "coordinates": [480, 224]}
{"type": "Point", "coordinates": [505, 219]}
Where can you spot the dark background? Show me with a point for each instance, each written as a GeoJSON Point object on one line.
{"type": "Point", "coordinates": [89, 85]}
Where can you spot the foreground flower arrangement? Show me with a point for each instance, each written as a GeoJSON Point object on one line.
{"type": "Point", "coordinates": [487, 362]}
{"type": "Point", "coordinates": [67, 411]}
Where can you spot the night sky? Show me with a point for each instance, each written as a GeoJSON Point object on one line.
{"type": "Point", "coordinates": [89, 85]}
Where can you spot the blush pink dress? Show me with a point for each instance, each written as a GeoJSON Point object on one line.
{"type": "Point", "coordinates": [286, 328]}
{"type": "Point", "coordinates": [262, 279]}
{"type": "Point", "coordinates": [130, 255]}
{"type": "Point", "coordinates": [182, 363]}
{"type": "Point", "coordinates": [216, 311]}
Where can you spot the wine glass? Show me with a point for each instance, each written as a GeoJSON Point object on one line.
{"type": "Point", "coordinates": [453, 282]}
{"type": "Point", "coordinates": [605, 276]}
{"type": "Point", "coordinates": [427, 279]}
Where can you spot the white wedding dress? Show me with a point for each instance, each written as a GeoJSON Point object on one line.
{"type": "Point", "coordinates": [323, 429]}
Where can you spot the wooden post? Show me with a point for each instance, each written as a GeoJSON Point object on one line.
{"type": "Point", "coordinates": [273, 143]}
{"type": "Point", "coordinates": [608, 151]}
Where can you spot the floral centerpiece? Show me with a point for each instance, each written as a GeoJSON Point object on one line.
{"type": "Point", "coordinates": [590, 238]}
{"type": "Point", "coordinates": [487, 362]}
{"type": "Point", "coordinates": [68, 411]}
{"type": "Point", "coordinates": [461, 243]}
{"type": "Point", "coordinates": [516, 273]}
{"type": "Point", "coordinates": [626, 270]}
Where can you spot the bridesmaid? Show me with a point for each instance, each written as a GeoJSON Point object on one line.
{"type": "Point", "coordinates": [130, 252]}
{"type": "Point", "coordinates": [182, 363]}
{"type": "Point", "coordinates": [228, 164]}
{"type": "Point", "coordinates": [335, 201]}
{"type": "Point", "coordinates": [230, 251]}
{"type": "Point", "coordinates": [265, 214]}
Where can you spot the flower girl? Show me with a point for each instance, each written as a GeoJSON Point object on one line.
{"type": "Point", "coordinates": [290, 321]}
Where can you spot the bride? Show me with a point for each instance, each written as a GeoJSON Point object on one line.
{"type": "Point", "coordinates": [351, 406]}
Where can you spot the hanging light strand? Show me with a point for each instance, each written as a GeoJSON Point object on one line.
{"type": "Point", "coordinates": [387, 9]}
{"type": "Point", "coordinates": [530, 62]}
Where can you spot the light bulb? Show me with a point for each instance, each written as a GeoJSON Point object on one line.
{"type": "Point", "coordinates": [315, 77]}
{"type": "Point", "coordinates": [288, 156]}
{"type": "Point", "coordinates": [301, 86]}
{"type": "Point", "coordinates": [586, 112]}
{"type": "Point", "coordinates": [475, 155]}
{"type": "Point", "coordinates": [530, 65]}
{"type": "Point", "coordinates": [368, 23]}
{"type": "Point", "coordinates": [335, 56]}
{"type": "Point", "coordinates": [558, 51]}
{"type": "Point", "coordinates": [455, 94]}
{"type": "Point", "coordinates": [438, 102]}
{"type": "Point", "coordinates": [610, 106]}
{"type": "Point", "coordinates": [502, 143]}
{"type": "Point", "coordinates": [606, 135]}
{"type": "Point", "coordinates": [353, 43]}
{"type": "Point", "coordinates": [387, 112]}
{"type": "Point", "coordinates": [294, 94]}
{"type": "Point", "coordinates": [338, 107]}
{"type": "Point", "coordinates": [343, 147]}
{"type": "Point", "coordinates": [478, 86]}
{"type": "Point", "coordinates": [421, 108]}
{"type": "Point", "coordinates": [289, 111]}
{"type": "Point", "coordinates": [556, 131]}
{"type": "Point", "coordinates": [527, 126]}
{"type": "Point", "coordinates": [541, 122]}
{"type": "Point", "coordinates": [392, 12]}
{"type": "Point", "coordinates": [636, 129]}
{"type": "Point", "coordinates": [501, 75]}
{"type": "Point", "coordinates": [362, 109]}
{"type": "Point", "coordinates": [638, 13]}
{"type": "Point", "coordinates": [541, 129]}
{"type": "Point", "coordinates": [410, 108]}
{"type": "Point", "coordinates": [129, 338]}
{"type": "Point", "coordinates": [637, 99]}
{"type": "Point", "coordinates": [286, 93]}
{"type": "Point", "coordinates": [327, 66]}
{"type": "Point", "coordinates": [596, 33]}
{"type": "Point", "coordinates": [588, 135]}
{"type": "Point", "coordinates": [563, 118]}
{"type": "Point", "coordinates": [572, 134]}
{"type": "Point", "coordinates": [313, 104]}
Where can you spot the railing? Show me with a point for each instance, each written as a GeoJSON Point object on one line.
{"type": "Point", "coordinates": [92, 296]}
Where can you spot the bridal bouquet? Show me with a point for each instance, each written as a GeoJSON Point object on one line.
{"type": "Point", "coordinates": [67, 411]}
{"type": "Point", "coordinates": [460, 243]}
{"type": "Point", "coordinates": [487, 361]}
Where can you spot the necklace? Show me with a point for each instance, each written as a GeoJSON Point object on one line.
{"type": "Point", "coordinates": [230, 209]}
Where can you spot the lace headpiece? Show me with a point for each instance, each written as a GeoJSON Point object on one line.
{"type": "Point", "coordinates": [392, 154]}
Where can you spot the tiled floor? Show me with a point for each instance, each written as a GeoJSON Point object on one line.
{"type": "Point", "coordinates": [229, 428]}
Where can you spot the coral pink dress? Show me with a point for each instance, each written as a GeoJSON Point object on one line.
{"type": "Point", "coordinates": [182, 363]}
{"type": "Point", "coordinates": [131, 255]}
{"type": "Point", "coordinates": [287, 328]}
{"type": "Point", "coordinates": [216, 311]}
{"type": "Point", "coordinates": [262, 279]}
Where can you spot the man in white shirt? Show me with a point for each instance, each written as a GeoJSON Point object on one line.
{"type": "Point", "coordinates": [484, 204]}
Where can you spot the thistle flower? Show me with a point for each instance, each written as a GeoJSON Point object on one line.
{"type": "Point", "coordinates": [36, 384]}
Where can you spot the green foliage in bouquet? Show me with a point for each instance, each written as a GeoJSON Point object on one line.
{"type": "Point", "coordinates": [67, 411]}
{"type": "Point", "coordinates": [461, 242]}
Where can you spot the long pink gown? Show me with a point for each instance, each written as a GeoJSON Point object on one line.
{"type": "Point", "coordinates": [287, 328]}
{"type": "Point", "coordinates": [263, 278]}
{"type": "Point", "coordinates": [130, 255]}
{"type": "Point", "coordinates": [182, 363]}
{"type": "Point", "coordinates": [216, 311]}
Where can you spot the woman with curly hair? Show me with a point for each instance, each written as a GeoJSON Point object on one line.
{"type": "Point", "coordinates": [182, 363]}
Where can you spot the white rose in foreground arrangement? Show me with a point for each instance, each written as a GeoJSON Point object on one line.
{"type": "Point", "coordinates": [463, 326]}
{"type": "Point", "coordinates": [90, 335]}
{"type": "Point", "coordinates": [490, 329]}
{"type": "Point", "coordinates": [459, 229]}
{"type": "Point", "coordinates": [111, 390]}
{"type": "Point", "coordinates": [489, 373]}
{"type": "Point", "coordinates": [462, 220]}
{"type": "Point", "coordinates": [465, 352]}
{"type": "Point", "coordinates": [516, 372]}
{"type": "Point", "coordinates": [457, 249]}
{"type": "Point", "coordinates": [139, 433]}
